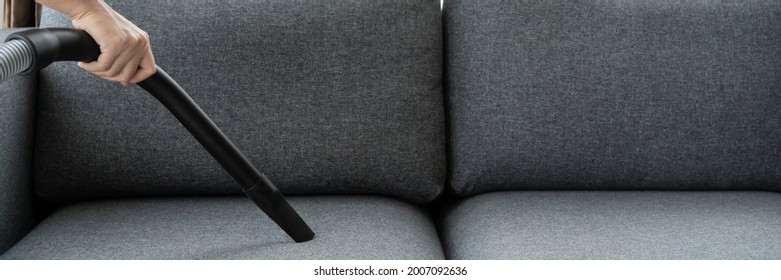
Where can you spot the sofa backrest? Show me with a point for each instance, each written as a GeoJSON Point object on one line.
{"type": "Point", "coordinates": [613, 94]}
{"type": "Point", "coordinates": [325, 97]}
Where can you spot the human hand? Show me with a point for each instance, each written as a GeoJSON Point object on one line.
{"type": "Point", "coordinates": [126, 55]}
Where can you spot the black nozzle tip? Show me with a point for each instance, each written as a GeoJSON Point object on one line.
{"type": "Point", "coordinates": [271, 201]}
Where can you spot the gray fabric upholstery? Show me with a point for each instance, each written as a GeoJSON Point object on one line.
{"type": "Point", "coordinates": [324, 97]}
{"type": "Point", "coordinates": [231, 228]}
{"type": "Point", "coordinates": [17, 113]}
{"type": "Point", "coordinates": [653, 95]}
{"type": "Point", "coordinates": [615, 225]}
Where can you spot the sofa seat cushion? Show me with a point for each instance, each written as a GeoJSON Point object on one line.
{"type": "Point", "coordinates": [614, 225]}
{"type": "Point", "coordinates": [347, 227]}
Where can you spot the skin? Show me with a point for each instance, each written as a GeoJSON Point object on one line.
{"type": "Point", "coordinates": [126, 55]}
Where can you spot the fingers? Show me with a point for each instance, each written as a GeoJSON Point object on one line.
{"type": "Point", "coordinates": [124, 74]}
{"type": "Point", "coordinates": [104, 62]}
{"type": "Point", "coordinates": [126, 65]}
{"type": "Point", "coordinates": [146, 67]}
{"type": "Point", "coordinates": [120, 58]}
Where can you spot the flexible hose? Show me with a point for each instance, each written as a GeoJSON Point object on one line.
{"type": "Point", "coordinates": [15, 57]}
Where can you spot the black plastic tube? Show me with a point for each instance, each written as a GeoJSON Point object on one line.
{"type": "Point", "coordinates": [256, 186]}
{"type": "Point", "coordinates": [64, 44]}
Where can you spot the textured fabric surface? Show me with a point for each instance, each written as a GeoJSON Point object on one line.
{"type": "Point", "coordinates": [324, 97]}
{"type": "Point", "coordinates": [652, 95]}
{"type": "Point", "coordinates": [17, 113]}
{"type": "Point", "coordinates": [231, 228]}
{"type": "Point", "coordinates": [615, 225]}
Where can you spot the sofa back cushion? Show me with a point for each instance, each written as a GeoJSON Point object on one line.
{"type": "Point", "coordinates": [663, 95]}
{"type": "Point", "coordinates": [324, 97]}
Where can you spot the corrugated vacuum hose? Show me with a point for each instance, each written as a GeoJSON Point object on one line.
{"type": "Point", "coordinates": [31, 50]}
{"type": "Point", "coordinates": [15, 57]}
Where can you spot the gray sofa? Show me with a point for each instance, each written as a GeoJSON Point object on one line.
{"type": "Point", "coordinates": [486, 130]}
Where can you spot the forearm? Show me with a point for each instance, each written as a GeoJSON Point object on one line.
{"type": "Point", "coordinates": [75, 8]}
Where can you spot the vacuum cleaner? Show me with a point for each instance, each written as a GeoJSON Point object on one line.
{"type": "Point", "coordinates": [32, 50]}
